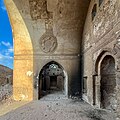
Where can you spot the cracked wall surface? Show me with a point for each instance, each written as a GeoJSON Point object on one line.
{"type": "Point", "coordinates": [54, 30]}
{"type": "Point", "coordinates": [55, 33]}
{"type": "Point", "coordinates": [100, 38]}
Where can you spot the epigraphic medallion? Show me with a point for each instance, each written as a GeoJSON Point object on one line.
{"type": "Point", "coordinates": [48, 42]}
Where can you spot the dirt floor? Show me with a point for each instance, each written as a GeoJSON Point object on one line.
{"type": "Point", "coordinates": [56, 107]}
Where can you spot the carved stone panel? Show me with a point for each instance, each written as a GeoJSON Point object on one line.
{"type": "Point", "coordinates": [48, 42]}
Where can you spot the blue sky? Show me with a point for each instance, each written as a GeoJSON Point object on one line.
{"type": "Point", "coordinates": [6, 39]}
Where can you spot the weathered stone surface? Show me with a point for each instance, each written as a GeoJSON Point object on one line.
{"type": "Point", "coordinates": [48, 42]}
{"type": "Point", "coordinates": [49, 32]}
{"type": "Point", "coordinates": [38, 9]}
{"type": "Point", "coordinates": [51, 5]}
{"type": "Point", "coordinates": [23, 46]}
{"type": "Point", "coordinates": [54, 30]}
{"type": "Point", "coordinates": [101, 39]}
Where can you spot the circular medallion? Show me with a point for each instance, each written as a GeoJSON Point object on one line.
{"type": "Point", "coordinates": [48, 43]}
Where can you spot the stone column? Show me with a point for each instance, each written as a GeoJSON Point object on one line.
{"type": "Point", "coordinates": [23, 55]}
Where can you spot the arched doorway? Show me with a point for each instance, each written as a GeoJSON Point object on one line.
{"type": "Point", "coordinates": [107, 82]}
{"type": "Point", "coordinates": [51, 79]}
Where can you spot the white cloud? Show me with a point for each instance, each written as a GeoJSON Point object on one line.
{"type": "Point", "coordinates": [10, 50]}
{"type": "Point", "coordinates": [10, 57]}
{"type": "Point", "coordinates": [6, 53]}
{"type": "Point", "coordinates": [2, 57]}
{"type": "Point", "coordinates": [3, 8]}
{"type": "Point", "coordinates": [2, 5]}
{"type": "Point", "coordinates": [6, 60]}
{"type": "Point", "coordinates": [7, 44]}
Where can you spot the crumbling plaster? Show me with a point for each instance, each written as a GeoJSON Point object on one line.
{"type": "Point", "coordinates": [54, 30]}
{"type": "Point", "coordinates": [55, 33]}
{"type": "Point", "coordinates": [101, 36]}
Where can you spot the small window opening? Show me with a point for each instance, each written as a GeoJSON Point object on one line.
{"type": "Point", "coordinates": [94, 11]}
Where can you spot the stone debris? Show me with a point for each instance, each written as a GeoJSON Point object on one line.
{"type": "Point", "coordinates": [52, 108]}
{"type": "Point", "coordinates": [5, 92]}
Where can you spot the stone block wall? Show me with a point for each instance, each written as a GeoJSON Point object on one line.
{"type": "Point", "coordinates": [100, 39]}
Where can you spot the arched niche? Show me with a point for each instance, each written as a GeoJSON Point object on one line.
{"type": "Point", "coordinates": [107, 82]}
{"type": "Point", "coordinates": [104, 81]}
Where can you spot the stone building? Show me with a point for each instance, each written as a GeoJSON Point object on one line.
{"type": "Point", "coordinates": [67, 45]}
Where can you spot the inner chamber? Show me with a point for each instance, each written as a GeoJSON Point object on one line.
{"type": "Point", "coordinates": [51, 78]}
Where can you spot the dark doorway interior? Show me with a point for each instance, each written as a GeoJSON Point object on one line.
{"type": "Point", "coordinates": [51, 79]}
{"type": "Point", "coordinates": [108, 82]}
{"type": "Point", "coordinates": [53, 82]}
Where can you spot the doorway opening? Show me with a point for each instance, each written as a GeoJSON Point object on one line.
{"type": "Point", "coordinates": [107, 82]}
{"type": "Point", "coordinates": [51, 79]}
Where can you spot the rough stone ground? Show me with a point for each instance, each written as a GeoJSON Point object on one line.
{"type": "Point", "coordinates": [57, 107]}
{"type": "Point", "coordinates": [5, 91]}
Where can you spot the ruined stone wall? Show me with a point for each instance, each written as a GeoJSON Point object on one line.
{"type": "Point", "coordinates": [55, 28]}
{"type": "Point", "coordinates": [57, 36]}
{"type": "Point", "coordinates": [100, 34]}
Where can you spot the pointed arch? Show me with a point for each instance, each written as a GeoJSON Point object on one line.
{"type": "Point", "coordinates": [108, 59]}
{"type": "Point", "coordinates": [23, 54]}
{"type": "Point", "coordinates": [46, 74]}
